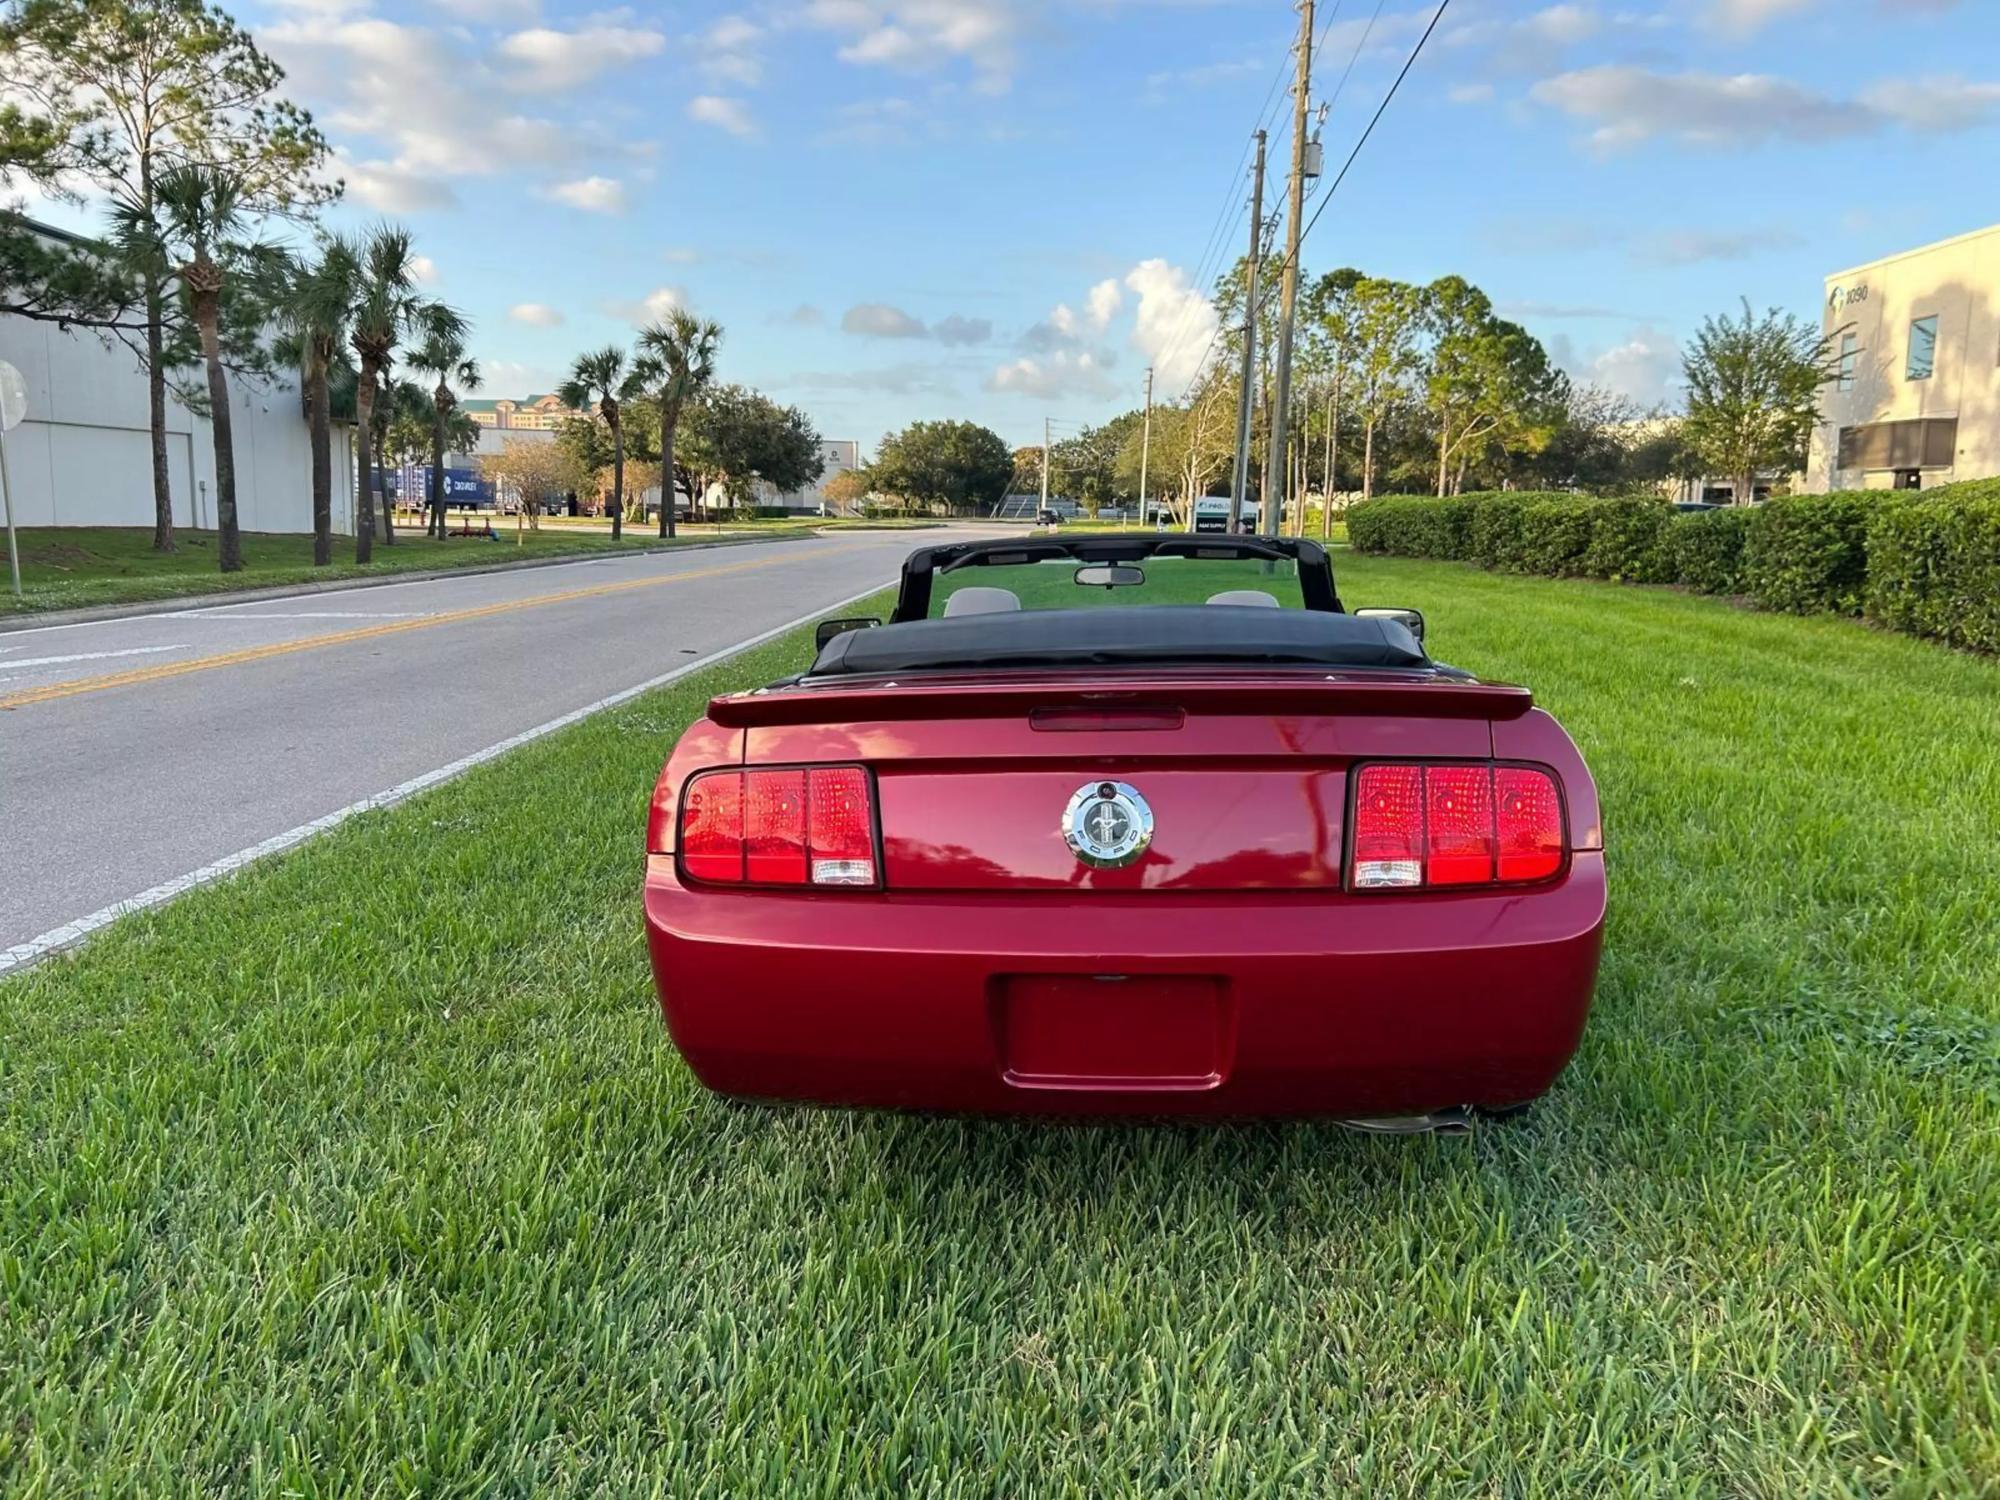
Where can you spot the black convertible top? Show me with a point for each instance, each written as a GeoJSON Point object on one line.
{"type": "Point", "coordinates": [1161, 634]}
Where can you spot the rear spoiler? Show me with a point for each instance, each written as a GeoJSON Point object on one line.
{"type": "Point", "coordinates": [1298, 696]}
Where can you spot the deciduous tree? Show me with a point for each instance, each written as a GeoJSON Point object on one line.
{"type": "Point", "coordinates": [958, 467]}
{"type": "Point", "coordinates": [1753, 393]}
{"type": "Point", "coordinates": [135, 88]}
{"type": "Point", "coordinates": [677, 359]}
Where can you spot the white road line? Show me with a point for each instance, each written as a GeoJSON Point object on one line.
{"type": "Point", "coordinates": [72, 933]}
{"type": "Point", "coordinates": [52, 661]}
{"type": "Point", "coordinates": [313, 614]}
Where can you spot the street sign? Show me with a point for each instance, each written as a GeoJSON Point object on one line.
{"type": "Point", "coordinates": [13, 407]}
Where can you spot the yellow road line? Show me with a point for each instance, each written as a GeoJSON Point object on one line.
{"type": "Point", "coordinates": [81, 685]}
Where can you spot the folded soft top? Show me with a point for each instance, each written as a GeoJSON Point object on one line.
{"type": "Point", "coordinates": [1167, 634]}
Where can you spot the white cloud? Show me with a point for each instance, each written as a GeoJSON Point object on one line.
{"type": "Point", "coordinates": [728, 52]}
{"type": "Point", "coordinates": [1469, 93]}
{"type": "Point", "coordinates": [680, 255]}
{"type": "Point", "coordinates": [1942, 103]}
{"type": "Point", "coordinates": [908, 379]}
{"type": "Point", "coordinates": [1102, 305]}
{"type": "Point", "coordinates": [594, 195]}
{"type": "Point", "coordinates": [1687, 247]}
{"type": "Point", "coordinates": [725, 114]}
{"type": "Point", "coordinates": [1747, 17]}
{"type": "Point", "coordinates": [1629, 105]}
{"type": "Point", "coordinates": [424, 269]}
{"type": "Point", "coordinates": [535, 315]}
{"type": "Point", "coordinates": [650, 308]}
{"type": "Point", "coordinates": [1646, 366]}
{"type": "Point", "coordinates": [878, 320]}
{"type": "Point", "coordinates": [414, 108]}
{"type": "Point", "coordinates": [1067, 372]}
{"type": "Point", "coordinates": [805, 315]}
{"type": "Point", "coordinates": [956, 330]}
{"type": "Point", "coordinates": [919, 35]}
{"type": "Point", "coordinates": [1174, 326]}
{"type": "Point", "coordinates": [553, 62]}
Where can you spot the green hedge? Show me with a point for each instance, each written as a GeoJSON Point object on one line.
{"type": "Point", "coordinates": [1926, 562]}
{"type": "Point", "coordinates": [1628, 542]}
{"type": "Point", "coordinates": [1810, 553]}
{"type": "Point", "coordinates": [1705, 549]}
{"type": "Point", "coordinates": [1934, 564]}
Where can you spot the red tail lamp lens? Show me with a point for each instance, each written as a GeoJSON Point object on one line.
{"type": "Point", "coordinates": [1389, 826]}
{"type": "Point", "coordinates": [774, 827]}
{"type": "Point", "coordinates": [712, 826]}
{"type": "Point", "coordinates": [843, 826]}
{"type": "Point", "coordinates": [790, 826]}
{"type": "Point", "coordinates": [1443, 826]}
{"type": "Point", "coordinates": [1458, 818]}
{"type": "Point", "coordinates": [1530, 823]}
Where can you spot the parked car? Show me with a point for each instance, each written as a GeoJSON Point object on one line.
{"type": "Point", "coordinates": [1695, 507]}
{"type": "Point", "coordinates": [1093, 825]}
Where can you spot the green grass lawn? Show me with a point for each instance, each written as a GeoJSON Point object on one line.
{"type": "Point", "coordinates": [64, 567]}
{"type": "Point", "coordinates": [372, 1171]}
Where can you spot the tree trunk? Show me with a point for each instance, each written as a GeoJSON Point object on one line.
{"type": "Point", "coordinates": [1368, 458]}
{"type": "Point", "coordinates": [156, 384]}
{"type": "Point", "coordinates": [230, 549]}
{"type": "Point", "coordinates": [617, 478]}
{"type": "Point", "coordinates": [319, 419]}
{"type": "Point", "coordinates": [1332, 457]}
{"type": "Point", "coordinates": [434, 524]}
{"type": "Point", "coordinates": [670, 421]}
{"type": "Point", "coordinates": [1746, 488]}
{"type": "Point", "coordinates": [1444, 453]}
{"type": "Point", "coordinates": [364, 463]}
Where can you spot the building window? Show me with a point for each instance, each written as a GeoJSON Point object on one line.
{"type": "Point", "coordinates": [1850, 356]}
{"type": "Point", "coordinates": [1923, 349]}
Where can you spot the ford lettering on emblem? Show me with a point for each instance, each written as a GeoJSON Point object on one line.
{"type": "Point", "coordinates": [1107, 824]}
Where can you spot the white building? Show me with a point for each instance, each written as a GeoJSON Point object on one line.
{"type": "Point", "coordinates": [83, 456]}
{"type": "Point", "coordinates": [1917, 400]}
{"type": "Point", "coordinates": [840, 456]}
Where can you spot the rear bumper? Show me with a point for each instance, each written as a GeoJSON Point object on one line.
{"type": "Point", "coordinates": [1345, 1006]}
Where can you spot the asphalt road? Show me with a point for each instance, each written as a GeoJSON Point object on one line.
{"type": "Point", "coordinates": [135, 752]}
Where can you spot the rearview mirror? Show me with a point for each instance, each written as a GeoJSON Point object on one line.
{"type": "Point", "coordinates": [826, 630]}
{"type": "Point", "coordinates": [1411, 620]}
{"type": "Point", "coordinates": [1109, 576]}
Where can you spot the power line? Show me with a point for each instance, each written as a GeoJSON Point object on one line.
{"type": "Point", "coordinates": [1374, 120]}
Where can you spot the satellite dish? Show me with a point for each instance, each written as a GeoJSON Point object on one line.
{"type": "Point", "coordinates": [13, 397]}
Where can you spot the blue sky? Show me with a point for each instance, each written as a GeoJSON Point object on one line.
{"type": "Point", "coordinates": [997, 208]}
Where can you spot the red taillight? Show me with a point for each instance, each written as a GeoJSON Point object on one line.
{"type": "Point", "coordinates": [1389, 826]}
{"type": "Point", "coordinates": [791, 826]}
{"type": "Point", "coordinates": [1444, 826]}
{"type": "Point", "coordinates": [843, 826]}
{"type": "Point", "coordinates": [1458, 814]}
{"type": "Point", "coordinates": [1530, 823]}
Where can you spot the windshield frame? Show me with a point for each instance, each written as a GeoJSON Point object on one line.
{"type": "Point", "coordinates": [1316, 584]}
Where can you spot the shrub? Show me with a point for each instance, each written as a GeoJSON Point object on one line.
{"type": "Point", "coordinates": [1497, 535]}
{"type": "Point", "coordinates": [1628, 541]}
{"type": "Point", "coordinates": [1934, 563]}
{"type": "Point", "coordinates": [1705, 549]}
{"type": "Point", "coordinates": [1554, 536]}
{"type": "Point", "coordinates": [1809, 553]}
{"type": "Point", "coordinates": [1412, 526]}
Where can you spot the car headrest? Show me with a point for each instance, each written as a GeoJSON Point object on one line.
{"type": "Point", "coordinates": [981, 601]}
{"type": "Point", "coordinates": [1253, 598]}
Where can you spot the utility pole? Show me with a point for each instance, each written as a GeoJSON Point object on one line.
{"type": "Point", "coordinates": [1145, 445]}
{"type": "Point", "coordinates": [1288, 302]}
{"type": "Point", "coordinates": [1046, 426]}
{"type": "Point", "coordinates": [1240, 479]}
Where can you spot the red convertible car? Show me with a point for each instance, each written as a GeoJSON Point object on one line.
{"type": "Point", "coordinates": [1143, 825]}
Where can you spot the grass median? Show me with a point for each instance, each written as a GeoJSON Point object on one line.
{"type": "Point", "coordinates": [372, 1171]}
{"type": "Point", "coordinates": [71, 567]}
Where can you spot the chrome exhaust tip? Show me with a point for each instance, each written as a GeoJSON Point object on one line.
{"type": "Point", "coordinates": [1454, 1121]}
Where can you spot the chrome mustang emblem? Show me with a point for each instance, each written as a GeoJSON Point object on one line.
{"type": "Point", "coordinates": [1107, 824]}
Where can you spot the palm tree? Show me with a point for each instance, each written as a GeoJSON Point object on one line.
{"type": "Point", "coordinates": [386, 307]}
{"type": "Point", "coordinates": [602, 377]}
{"type": "Point", "coordinates": [201, 214]}
{"type": "Point", "coordinates": [317, 299]}
{"type": "Point", "coordinates": [678, 357]}
{"type": "Point", "coordinates": [443, 354]}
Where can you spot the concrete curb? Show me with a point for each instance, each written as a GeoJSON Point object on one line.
{"type": "Point", "coordinates": [41, 620]}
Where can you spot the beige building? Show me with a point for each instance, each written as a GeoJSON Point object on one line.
{"type": "Point", "coordinates": [1917, 400]}
{"type": "Point", "coordinates": [531, 413]}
